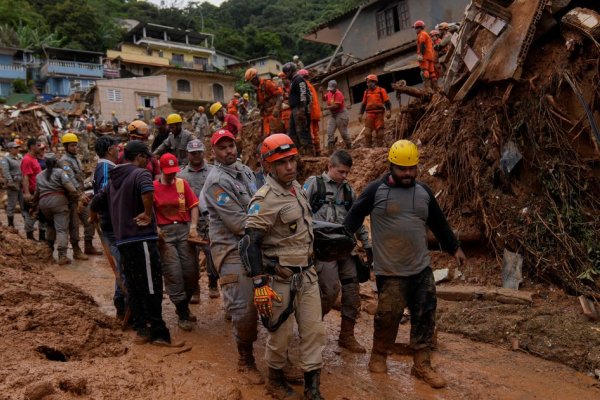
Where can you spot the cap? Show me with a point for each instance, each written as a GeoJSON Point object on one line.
{"type": "Point", "coordinates": [168, 164]}
{"type": "Point", "coordinates": [12, 145]}
{"type": "Point", "coordinates": [221, 134]}
{"type": "Point", "coordinates": [136, 147]}
{"type": "Point", "coordinates": [332, 84]}
{"type": "Point", "coordinates": [195, 145]}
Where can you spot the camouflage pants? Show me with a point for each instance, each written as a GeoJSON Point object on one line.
{"type": "Point", "coordinates": [395, 293]}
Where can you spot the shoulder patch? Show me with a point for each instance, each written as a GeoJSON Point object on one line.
{"type": "Point", "coordinates": [254, 209]}
{"type": "Point", "coordinates": [66, 167]}
{"type": "Point", "coordinates": [221, 197]}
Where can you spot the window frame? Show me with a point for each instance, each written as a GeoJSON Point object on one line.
{"type": "Point", "coordinates": [182, 89]}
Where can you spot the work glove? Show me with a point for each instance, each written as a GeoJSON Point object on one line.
{"type": "Point", "coordinates": [419, 57]}
{"type": "Point", "coordinates": [360, 118]}
{"type": "Point", "coordinates": [388, 114]}
{"type": "Point", "coordinates": [263, 299]}
{"type": "Point", "coordinates": [369, 252]}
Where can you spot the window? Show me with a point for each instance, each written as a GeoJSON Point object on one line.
{"type": "Point", "coordinates": [200, 60]}
{"type": "Point", "coordinates": [218, 92]}
{"type": "Point", "coordinates": [146, 71]}
{"type": "Point", "coordinates": [161, 54]}
{"type": "Point", "coordinates": [392, 19]}
{"type": "Point", "coordinates": [177, 57]}
{"type": "Point", "coordinates": [148, 101]}
{"type": "Point", "coordinates": [114, 95]}
{"type": "Point", "coordinates": [262, 63]}
{"type": "Point", "coordinates": [277, 67]}
{"type": "Point", "coordinates": [183, 85]}
{"type": "Point", "coordinates": [148, 51]}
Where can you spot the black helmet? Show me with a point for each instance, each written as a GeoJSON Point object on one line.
{"type": "Point", "coordinates": [288, 68]}
{"type": "Point", "coordinates": [332, 241]}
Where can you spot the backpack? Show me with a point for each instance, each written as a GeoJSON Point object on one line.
{"type": "Point", "coordinates": [320, 196]}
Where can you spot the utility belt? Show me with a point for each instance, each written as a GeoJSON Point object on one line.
{"type": "Point", "coordinates": [272, 267]}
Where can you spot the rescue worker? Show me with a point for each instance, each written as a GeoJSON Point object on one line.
{"type": "Point", "coordinates": [78, 211]}
{"type": "Point", "coordinates": [279, 230]}
{"type": "Point", "coordinates": [176, 142]}
{"type": "Point", "coordinates": [445, 44]}
{"type": "Point", "coordinates": [115, 123]}
{"type": "Point", "coordinates": [138, 130]}
{"type": "Point", "coordinates": [425, 56]}
{"type": "Point", "coordinates": [401, 210]}
{"type": "Point", "coordinates": [244, 107]}
{"type": "Point", "coordinates": [268, 98]}
{"type": "Point", "coordinates": [227, 121]}
{"type": "Point", "coordinates": [11, 171]}
{"type": "Point", "coordinates": [54, 191]}
{"type": "Point", "coordinates": [200, 123]}
{"type": "Point", "coordinates": [375, 102]}
{"type": "Point", "coordinates": [128, 198]}
{"type": "Point", "coordinates": [195, 173]}
{"type": "Point", "coordinates": [232, 106]}
{"type": "Point", "coordinates": [30, 167]}
{"type": "Point", "coordinates": [315, 114]}
{"type": "Point", "coordinates": [331, 197]}
{"type": "Point", "coordinates": [297, 62]}
{"type": "Point", "coordinates": [286, 111]}
{"type": "Point", "coordinates": [176, 211]}
{"type": "Point", "coordinates": [436, 40]}
{"type": "Point", "coordinates": [85, 136]}
{"type": "Point", "coordinates": [299, 99]}
{"type": "Point", "coordinates": [160, 132]}
{"type": "Point", "coordinates": [227, 192]}
{"type": "Point", "coordinates": [339, 120]}
{"type": "Point", "coordinates": [107, 150]}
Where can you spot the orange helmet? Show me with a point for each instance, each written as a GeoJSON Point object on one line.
{"type": "Point", "coordinates": [419, 24]}
{"type": "Point", "coordinates": [138, 128]}
{"type": "Point", "coordinates": [277, 146]}
{"type": "Point", "coordinates": [251, 73]}
{"type": "Point", "coordinates": [372, 77]}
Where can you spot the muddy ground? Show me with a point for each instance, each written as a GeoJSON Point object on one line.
{"type": "Point", "coordinates": [59, 341]}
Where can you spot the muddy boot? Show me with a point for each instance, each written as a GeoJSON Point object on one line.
{"type": "Point", "coordinates": [378, 363]}
{"type": "Point", "coordinates": [277, 386]}
{"type": "Point", "coordinates": [312, 381]}
{"type": "Point", "coordinates": [29, 235]}
{"type": "Point", "coordinates": [77, 253]}
{"type": "Point", "coordinates": [292, 373]}
{"type": "Point", "coordinates": [183, 312]}
{"type": "Point", "coordinates": [213, 292]}
{"type": "Point", "coordinates": [422, 369]}
{"type": "Point", "coordinates": [89, 249]}
{"type": "Point", "coordinates": [63, 259]}
{"type": "Point", "coordinates": [247, 365]}
{"type": "Point", "coordinates": [347, 339]}
{"type": "Point", "coordinates": [11, 221]}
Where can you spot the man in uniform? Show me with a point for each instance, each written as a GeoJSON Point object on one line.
{"type": "Point", "coordinates": [195, 173]}
{"type": "Point", "coordinates": [279, 232]}
{"type": "Point", "coordinates": [11, 171]}
{"type": "Point", "coordinates": [227, 192]}
{"type": "Point", "coordinates": [425, 56]}
{"type": "Point", "coordinates": [268, 98]}
{"type": "Point", "coordinates": [375, 102]}
{"type": "Point", "coordinates": [401, 210]}
{"type": "Point", "coordinates": [200, 123]}
{"type": "Point", "coordinates": [177, 141]}
{"type": "Point", "coordinates": [299, 99]}
{"type": "Point", "coordinates": [331, 198]}
{"type": "Point", "coordinates": [30, 167]}
{"type": "Point", "coordinates": [71, 164]}
{"type": "Point", "coordinates": [227, 121]}
{"type": "Point", "coordinates": [339, 116]}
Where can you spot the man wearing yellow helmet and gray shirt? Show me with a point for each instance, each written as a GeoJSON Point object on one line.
{"type": "Point", "coordinates": [72, 166]}
{"type": "Point", "coordinates": [177, 141]}
{"type": "Point", "coordinates": [401, 210]}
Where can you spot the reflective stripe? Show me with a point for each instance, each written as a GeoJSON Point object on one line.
{"type": "Point", "coordinates": [148, 268]}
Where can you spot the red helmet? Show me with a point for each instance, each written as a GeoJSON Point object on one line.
{"type": "Point", "coordinates": [419, 24]}
{"type": "Point", "coordinates": [372, 77]}
{"type": "Point", "coordinates": [277, 146]}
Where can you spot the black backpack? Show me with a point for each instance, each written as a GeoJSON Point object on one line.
{"type": "Point", "coordinates": [320, 196]}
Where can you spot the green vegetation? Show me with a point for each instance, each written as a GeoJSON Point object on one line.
{"type": "Point", "coordinates": [246, 29]}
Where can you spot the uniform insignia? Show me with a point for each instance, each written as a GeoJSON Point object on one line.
{"type": "Point", "coordinates": [254, 209]}
{"type": "Point", "coordinates": [262, 191]}
{"type": "Point", "coordinates": [221, 197]}
{"type": "Point", "coordinates": [293, 227]}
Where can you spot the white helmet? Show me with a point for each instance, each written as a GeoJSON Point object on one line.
{"type": "Point", "coordinates": [295, 58]}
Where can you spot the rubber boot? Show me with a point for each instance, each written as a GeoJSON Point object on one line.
{"type": "Point", "coordinates": [11, 221]}
{"type": "Point", "coordinates": [347, 339]}
{"type": "Point", "coordinates": [89, 249]}
{"type": "Point", "coordinates": [312, 381]}
{"type": "Point", "coordinates": [247, 365]}
{"type": "Point", "coordinates": [77, 253]}
{"type": "Point", "coordinates": [29, 235]}
{"type": "Point", "coordinates": [183, 312]}
{"type": "Point", "coordinates": [292, 373]}
{"type": "Point", "coordinates": [378, 362]}
{"type": "Point", "coordinates": [213, 292]}
{"type": "Point", "coordinates": [63, 259]}
{"type": "Point", "coordinates": [41, 235]}
{"type": "Point", "coordinates": [422, 369]}
{"type": "Point", "coordinates": [278, 387]}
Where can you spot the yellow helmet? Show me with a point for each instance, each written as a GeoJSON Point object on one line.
{"type": "Point", "coordinates": [69, 138]}
{"type": "Point", "coordinates": [245, 96]}
{"type": "Point", "coordinates": [174, 119]}
{"type": "Point", "coordinates": [215, 107]}
{"type": "Point", "coordinates": [404, 153]}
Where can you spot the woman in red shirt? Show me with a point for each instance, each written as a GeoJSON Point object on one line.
{"type": "Point", "coordinates": [176, 210]}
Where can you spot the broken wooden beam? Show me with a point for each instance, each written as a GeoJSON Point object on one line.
{"type": "Point", "coordinates": [412, 91]}
{"type": "Point", "coordinates": [471, 293]}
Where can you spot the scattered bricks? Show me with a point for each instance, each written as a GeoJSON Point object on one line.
{"type": "Point", "coordinates": [588, 308]}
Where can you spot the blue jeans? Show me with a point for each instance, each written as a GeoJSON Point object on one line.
{"type": "Point", "coordinates": [119, 298]}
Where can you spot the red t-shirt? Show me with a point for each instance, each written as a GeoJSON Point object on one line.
{"type": "Point", "coordinates": [166, 203]}
{"type": "Point", "coordinates": [30, 167]}
{"type": "Point", "coordinates": [232, 124]}
{"type": "Point", "coordinates": [336, 97]}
